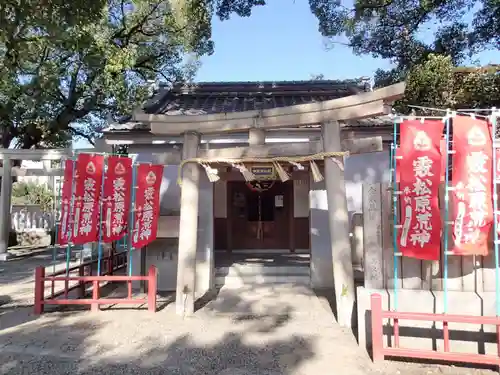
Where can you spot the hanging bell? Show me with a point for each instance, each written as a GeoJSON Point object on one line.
{"type": "Point", "coordinates": [283, 175]}
{"type": "Point", "coordinates": [316, 173]}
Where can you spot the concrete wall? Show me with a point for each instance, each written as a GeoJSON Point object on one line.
{"type": "Point", "coordinates": [359, 169]}
{"type": "Point", "coordinates": [364, 169]}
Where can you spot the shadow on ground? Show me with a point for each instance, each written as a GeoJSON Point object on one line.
{"type": "Point", "coordinates": [132, 342]}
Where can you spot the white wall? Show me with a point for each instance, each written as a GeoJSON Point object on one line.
{"type": "Point", "coordinates": [359, 169]}
{"type": "Point", "coordinates": [170, 192]}
{"type": "Point", "coordinates": [364, 169]}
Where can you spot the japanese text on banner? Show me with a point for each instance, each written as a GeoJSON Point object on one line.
{"type": "Point", "coordinates": [116, 198]}
{"type": "Point", "coordinates": [87, 194]}
{"type": "Point", "coordinates": [65, 220]}
{"type": "Point", "coordinates": [442, 148]}
{"type": "Point", "coordinates": [472, 181]}
{"type": "Point", "coordinates": [147, 204]}
{"type": "Point", "coordinates": [420, 171]}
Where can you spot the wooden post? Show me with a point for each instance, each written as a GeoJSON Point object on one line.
{"type": "Point", "coordinates": [338, 220]}
{"type": "Point", "coordinates": [188, 228]}
{"type": "Point", "coordinates": [377, 328]}
{"type": "Point", "coordinates": [39, 290]}
{"type": "Point", "coordinates": [152, 289]}
{"type": "Point", "coordinates": [95, 296]}
{"type": "Point", "coordinates": [5, 208]}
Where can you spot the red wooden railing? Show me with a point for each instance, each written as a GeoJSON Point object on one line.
{"type": "Point", "coordinates": [84, 277]}
{"type": "Point", "coordinates": [379, 351]}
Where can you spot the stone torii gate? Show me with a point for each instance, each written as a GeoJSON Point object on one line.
{"type": "Point", "coordinates": [327, 114]}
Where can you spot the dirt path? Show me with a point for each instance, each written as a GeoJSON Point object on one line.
{"type": "Point", "coordinates": [264, 330]}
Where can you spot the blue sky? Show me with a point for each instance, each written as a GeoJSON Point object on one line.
{"type": "Point", "coordinates": [282, 42]}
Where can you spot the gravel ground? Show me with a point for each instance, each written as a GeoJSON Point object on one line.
{"type": "Point", "coordinates": [267, 331]}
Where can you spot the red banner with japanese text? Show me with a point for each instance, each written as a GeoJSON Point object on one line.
{"type": "Point", "coordinates": [88, 183]}
{"type": "Point", "coordinates": [116, 198]}
{"type": "Point", "coordinates": [442, 147]}
{"type": "Point", "coordinates": [147, 204]}
{"type": "Point", "coordinates": [472, 210]}
{"type": "Point", "coordinates": [420, 174]}
{"type": "Point", "coordinates": [66, 190]}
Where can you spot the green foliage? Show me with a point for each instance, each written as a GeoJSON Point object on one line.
{"type": "Point", "coordinates": [68, 67]}
{"type": "Point", "coordinates": [426, 40]}
{"type": "Point", "coordinates": [402, 30]}
{"type": "Point", "coordinates": [32, 193]}
{"type": "Point", "coordinates": [438, 83]}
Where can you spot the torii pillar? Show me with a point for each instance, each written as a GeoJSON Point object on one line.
{"type": "Point", "coordinates": [338, 220]}
{"type": "Point", "coordinates": [188, 228]}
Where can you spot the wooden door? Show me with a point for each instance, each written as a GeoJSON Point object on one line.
{"type": "Point", "coordinates": [260, 220]}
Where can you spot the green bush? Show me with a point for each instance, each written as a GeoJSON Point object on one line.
{"type": "Point", "coordinates": [32, 193]}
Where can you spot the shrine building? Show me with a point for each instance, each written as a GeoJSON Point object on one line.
{"type": "Point", "coordinates": [271, 180]}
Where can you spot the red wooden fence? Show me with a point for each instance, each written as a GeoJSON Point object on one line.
{"type": "Point", "coordinates": [380, 351]}
{"type": "Point", "coordinates": [84, 277]}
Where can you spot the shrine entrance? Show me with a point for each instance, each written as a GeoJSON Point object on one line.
{"type": "Point", "coordinates": [259, 214]}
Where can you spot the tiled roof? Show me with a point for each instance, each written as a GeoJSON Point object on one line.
{"type": "Point", "coordinates": [229, 97]}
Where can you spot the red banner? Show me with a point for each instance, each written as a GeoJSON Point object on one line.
{"type": "Point", "coordinates": [64, 226]}
{"type": "Point", "coordinates": [89, 169]}
{"type": "Point", "coordinates": [116, 198]}
{"type": "Point", "coordinates": [442, 147]}
{"type": "Point", "coordinates": [420, 172]}
{"type": "Point", "coordinates": [147, 204]}
{"type": "Point", "coordinates": [472, 181]}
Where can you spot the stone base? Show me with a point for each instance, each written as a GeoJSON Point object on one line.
{"type": "Point", "coordinates": [466, 338]}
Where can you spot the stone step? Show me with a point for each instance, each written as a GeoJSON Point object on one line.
{"type": "Point", "coordinates": [245, 280]}
{"type": "Point", "coordinates": [262, 269]}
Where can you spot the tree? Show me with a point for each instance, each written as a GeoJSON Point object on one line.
{"type": "Point", "coordinates": [67, 67]}
{"type": "Point", "coordinates": [397, 29]}
{"type": "Point", "coordinates": [412, 35]}
{"type": "Point", "coordinates": [438, 83]}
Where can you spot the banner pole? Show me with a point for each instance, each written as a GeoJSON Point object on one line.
{"type": "Point", "coordinates": [132, 218]}
{"type": "Point", "coordinates": [71, 212]}
{"type": "Point", "coordinates": [494, 123]}
{"type": "Point", "coordinates": [101, 199]}
{"type": "Point", "coordinates": [395, 213]}
{"type": "Point", "coordinates": [447, 120]}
